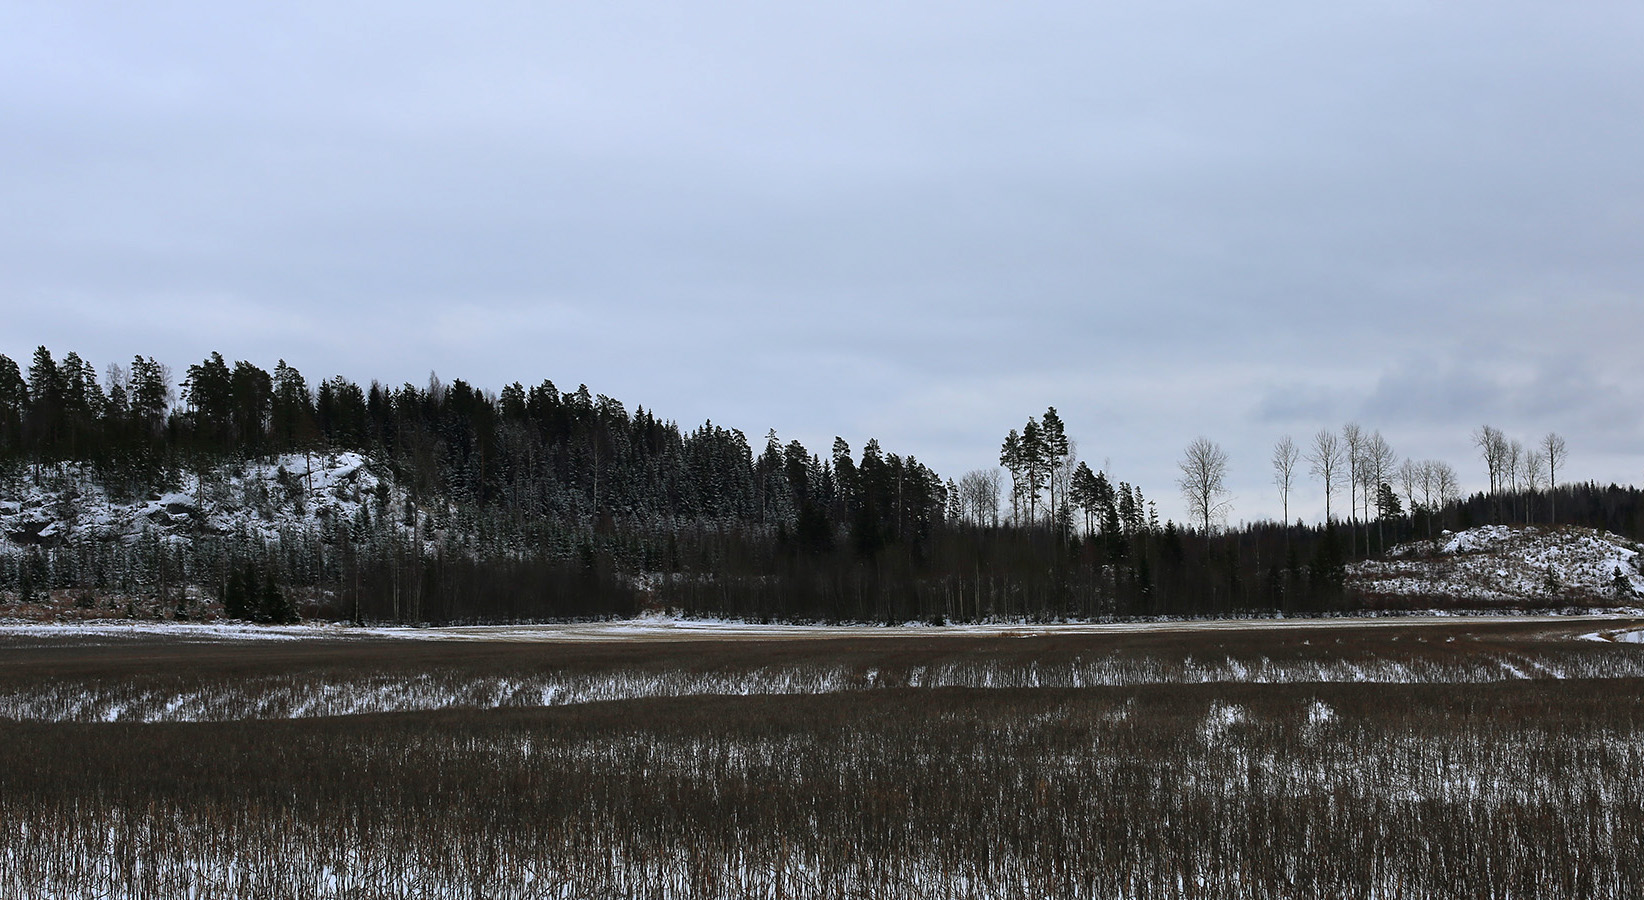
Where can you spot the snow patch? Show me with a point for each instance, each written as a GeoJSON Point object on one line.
{"type": "Point", "coordinates": [1221, 718]}
{"type": "Point", "coordinates": [1320, 713]}
{"type": "Point", "coordinates": [1499, 565]}
{"type": "Point", "coordinates": [264, 498]}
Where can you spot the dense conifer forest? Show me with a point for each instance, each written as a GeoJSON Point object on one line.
{"type": "Point", "coordinates": [539, 503]}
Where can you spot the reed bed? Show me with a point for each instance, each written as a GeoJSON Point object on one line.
{"type": "Point", "coordinates": [1234, 788]}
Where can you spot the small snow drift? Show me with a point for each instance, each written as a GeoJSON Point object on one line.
{"type": "Point", "coordinates": [1506, 566]}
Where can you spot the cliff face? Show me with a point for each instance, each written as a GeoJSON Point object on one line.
{"type": "Point", "coordinates": [1506, 566]}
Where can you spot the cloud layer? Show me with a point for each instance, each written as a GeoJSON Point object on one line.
{"type": "Point", "coordinates": [916, 221]}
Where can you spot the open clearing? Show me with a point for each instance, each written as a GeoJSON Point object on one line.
{"type": "Point", "coordinates": [1434, 757]}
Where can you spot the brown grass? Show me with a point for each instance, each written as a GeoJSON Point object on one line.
{"type": "Point", "coordinates": [1235, 790]}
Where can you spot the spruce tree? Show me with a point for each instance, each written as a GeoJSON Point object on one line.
{"type": "Point", "coordinates": [1622, 586]}
{"type": "Point", "coordinates": [274, 605]}
{"type": "Point", "coordinates": [238, 591]}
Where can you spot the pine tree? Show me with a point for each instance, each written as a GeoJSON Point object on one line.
{"type": "Point", "coordinates": [1011, 458]}
{"type": "Point", "coordinates": [209, 393]}
{"type": "Point", "coordinates": [1082, 489]}
{"type": "Point", "coordinates": [251, 402]}
{"type": "Point", "coordinates": [1034, 466]}
{"type": "Point", "coordinates": [1055, 449]}
{"type": "Point", "coordinates": [150, 395]}
{"type": "Point", "coordinates": [1387, 502]}
{"type": "Point", "coordinates": [45, 393]}
{"type": "Point", "coordinates": [1107, 508]}
{"type": "Point", "coordinates": [292, 408]}
{"type": "Point", "coordinates": [1130, 516]}
{"type": "Point", "coordinates": [82, 407]}
{"type": "Point", "coordinates": [14, 402]}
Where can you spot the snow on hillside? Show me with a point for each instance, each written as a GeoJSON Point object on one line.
{"type": "Point", "coordinates": [1507, 565]}
{"type": "Point", "coordinates": [262, 499]}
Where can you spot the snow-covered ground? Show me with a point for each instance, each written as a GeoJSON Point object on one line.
{"type": "Point", "coordinates": [306, 695]}
{"type": "Point", "coordinates": [673, 628]}
{"type": "Point", "coordinates": [174, 697]}
{"type": "Point", "coordinates": [1499, 565]}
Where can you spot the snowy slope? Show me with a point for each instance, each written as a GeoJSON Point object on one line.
{"type": "Point", "coordinates": [1500, 565]}
{"type": "Point", "coordinates": [295, 492]}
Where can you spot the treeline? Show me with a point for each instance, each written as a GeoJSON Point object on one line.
{"type": "Point", "coordinates": [529, 454]}
{"type": "Point", "coordinates": [537, 503]}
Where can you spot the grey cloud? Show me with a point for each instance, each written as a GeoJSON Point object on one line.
{"type": "Point", "coordinates": [917, 220]}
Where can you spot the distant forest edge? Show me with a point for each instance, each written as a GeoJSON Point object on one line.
{"type": "Point", "coordinates": [536, 503]}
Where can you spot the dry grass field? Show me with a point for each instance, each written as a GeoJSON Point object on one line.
{"type": "Point", "coordinates": [1465, 759]}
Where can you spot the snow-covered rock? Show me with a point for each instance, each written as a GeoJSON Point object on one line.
{"type": "Point", "coordinates": [261, 499]}
{"type": "Point", "coordinates": [1499, 565]}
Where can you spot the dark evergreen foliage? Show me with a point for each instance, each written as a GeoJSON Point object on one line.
{"type": "Point", "coordinates": [538, 503]}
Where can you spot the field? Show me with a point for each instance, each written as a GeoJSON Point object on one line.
{"type": "Point", "coordinates": [1451, 758]}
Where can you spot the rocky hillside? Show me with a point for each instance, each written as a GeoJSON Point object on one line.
{"type": "Point", "coordinates": [262, 499]}
{"type": "Point", "coordinates": [1505, 566]}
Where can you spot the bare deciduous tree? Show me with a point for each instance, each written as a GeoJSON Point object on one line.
{"type": "Point", "coordinates": [1433, 493]}
{"type": "Point", "coordinates": [1429, 481]}
{"type": "Point", "coordinates": [1326, 459]}
{"type": "Point", "coordinates": [1285, 456]}
{"type": "Point", "coordinates": [1445, 481]}
{"type": "Point", "coordinates": [1353, 436]}
{"type": "Point", "coordinates": [979, 497]}
{"type": "Point", "coordinates": [1512, 475]}
{"type": "Point", "coordinates": [1376, 467]}
{"type": "Point", "coordinates": [1203, 481]}
{"type": "Point", "coordinates": [1492, 446]}
{"type": "Point", "coordinates": [1553, 450]}
{"type": "Point", "coordinates": [1532, 478]}
{"type": "Point", "coordinates": [1410, 474]}
{"type": "Point", "coordinates": [1061, 478]}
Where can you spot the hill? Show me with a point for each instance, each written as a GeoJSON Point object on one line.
{"type": "Point", "coordinates": [1501, 566]}
{"type": "Point", "coordinates": [260, 499]}
{"type": "Point", "coordinates": [450, 503]}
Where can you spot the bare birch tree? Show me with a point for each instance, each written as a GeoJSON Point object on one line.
{"type": "Point", "coordinates": [1492, 446]}
{"type": "Point", "coordinates": [1353, 436]}
{"type": "Point", "coordinates": [1448, 486]}
{"type": "Point", "coordinates": [979, 497]}
{"type": "Point", "coordinates": [1553, 450]}
{"type": "Point", "coordinates": [1376, 466]}
{"type": "Point", "coordinates": [1512, 476]}
{"type": "Point", "coordinates": [1061, 476]}
{"type": "Point", "coordinates": [1325, 457]}
{"type": "Point", "coordinates": [1410, 474]}
{"type": "Point", "coordinates": [1203, 481]}
{"type": "Point", "coordinates": [1285, 456]}
{"type": "Point", "coordinates": [1533, 474]}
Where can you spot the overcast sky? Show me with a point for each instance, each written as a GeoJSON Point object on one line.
{"type": "Point", "coordinates": [921, 222]}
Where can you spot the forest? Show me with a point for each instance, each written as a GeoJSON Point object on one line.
{"type": "Point", "coordinates": [534, 503]}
